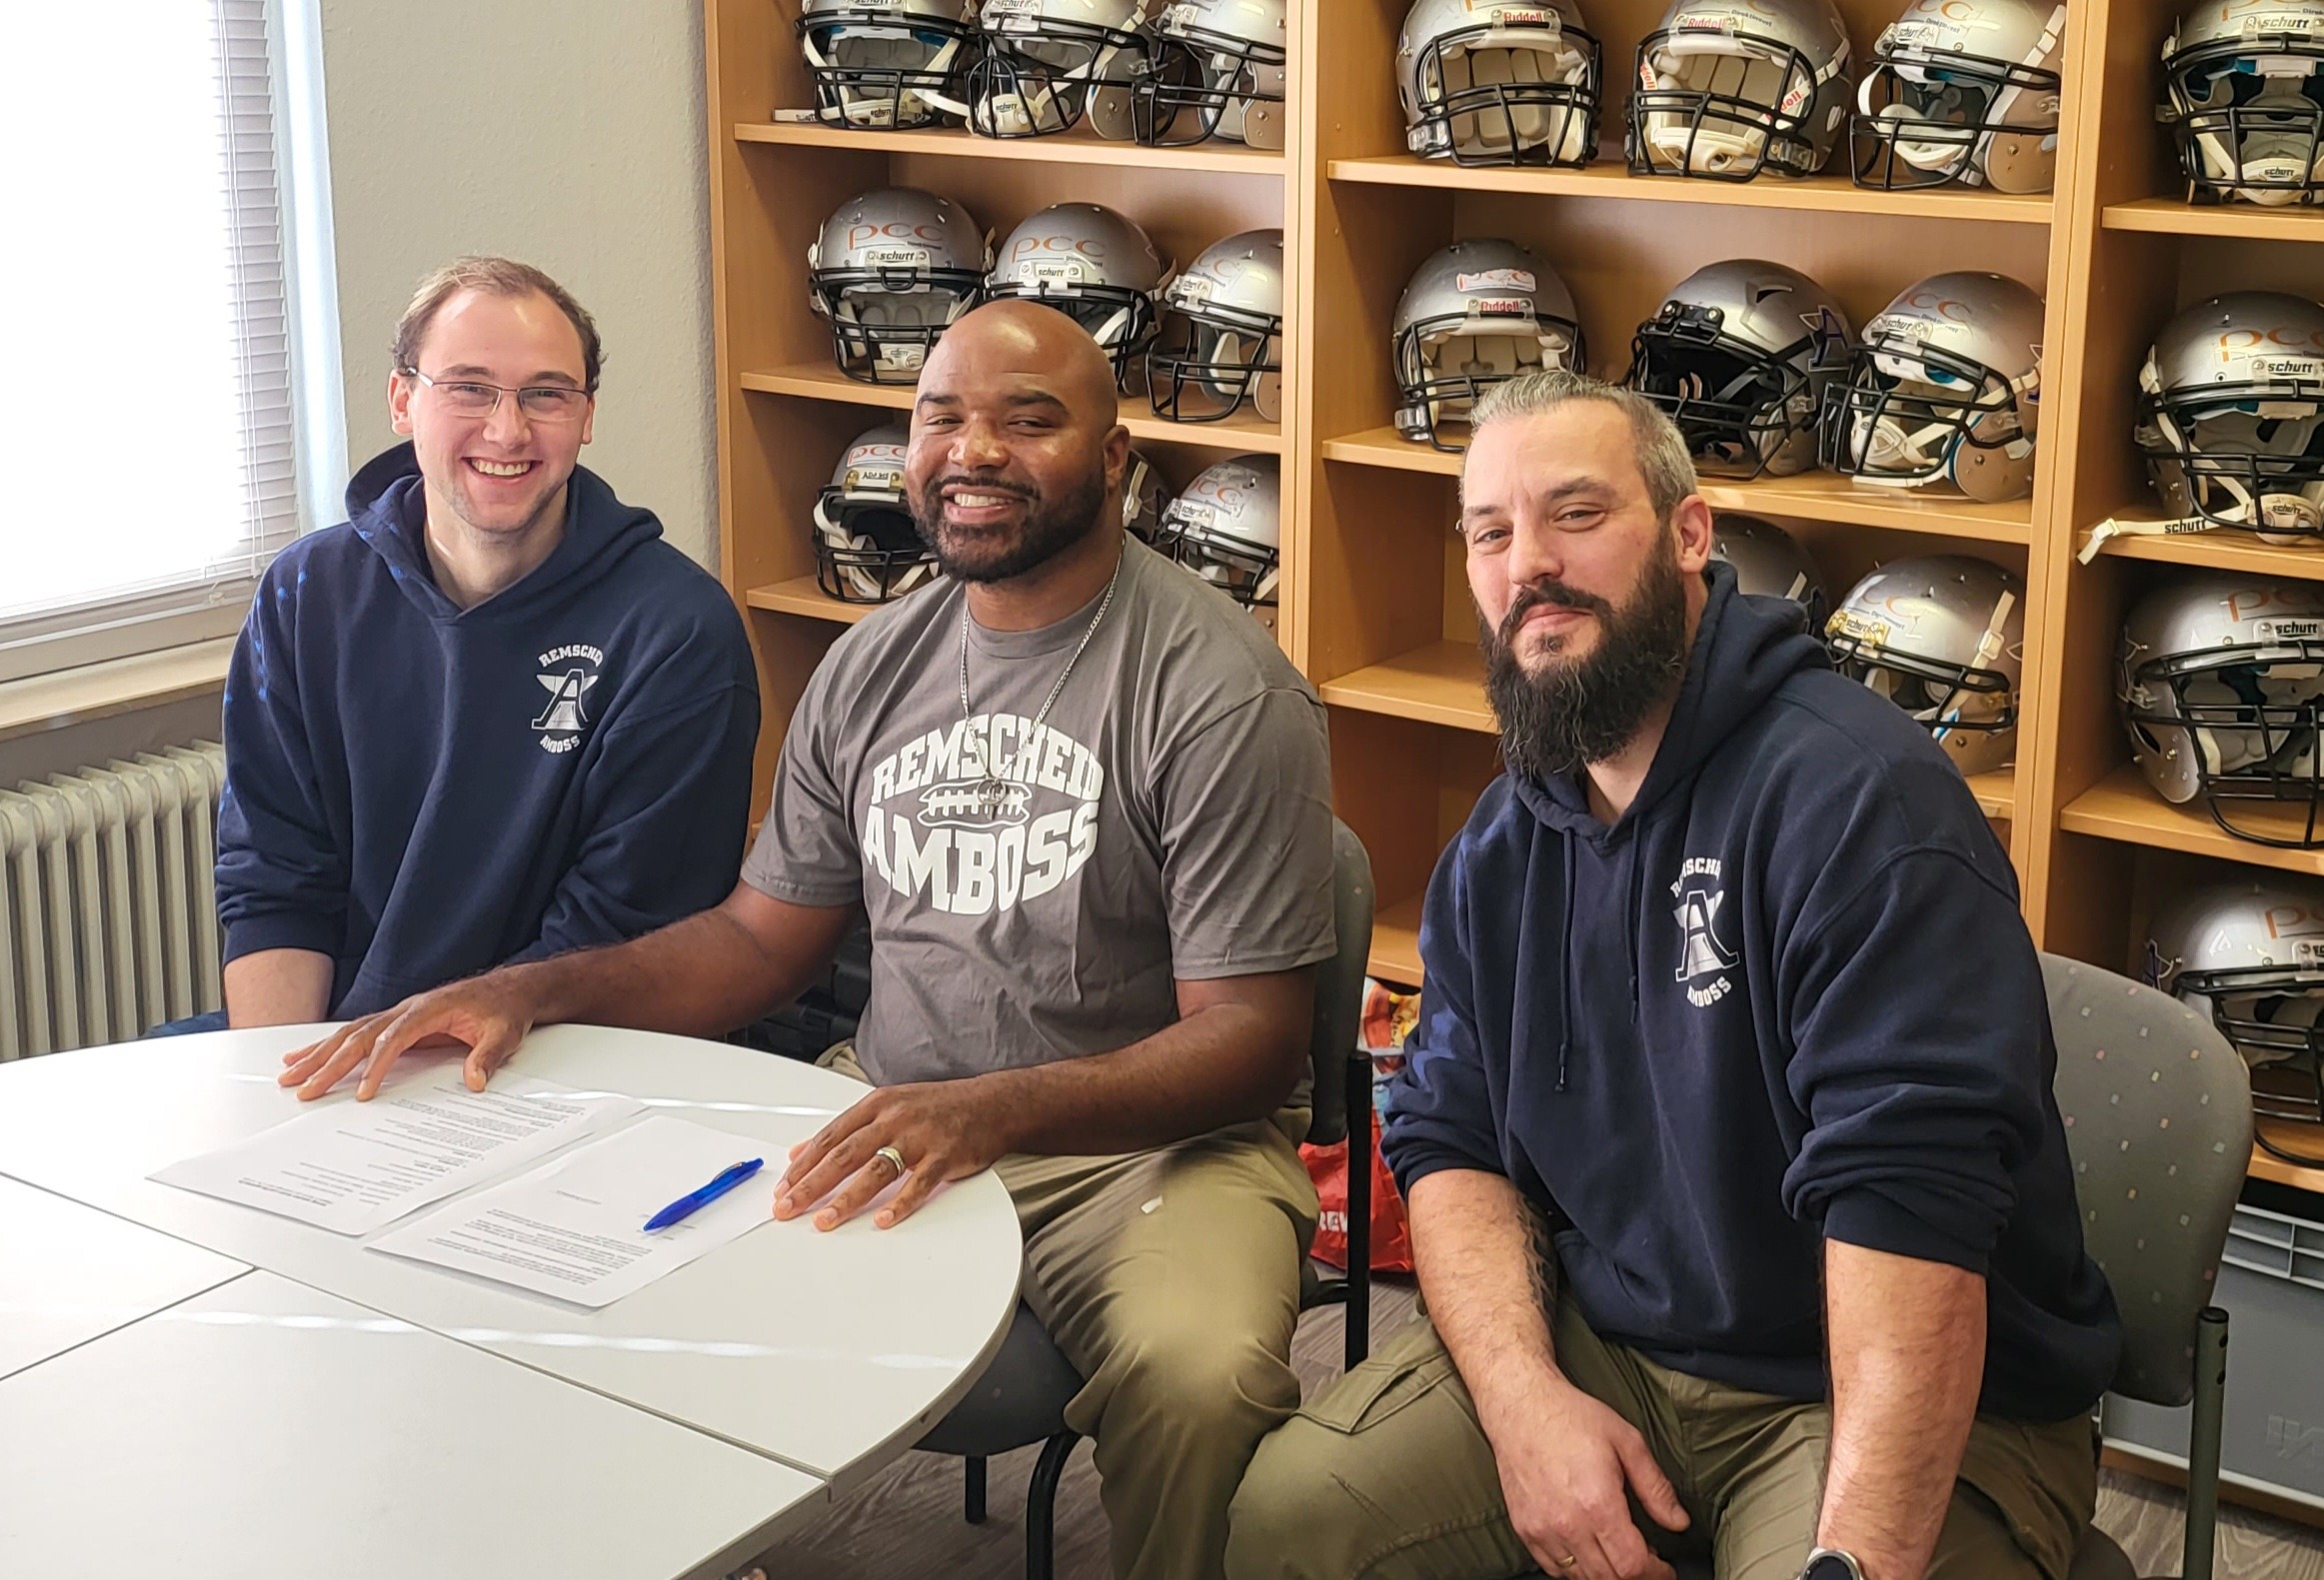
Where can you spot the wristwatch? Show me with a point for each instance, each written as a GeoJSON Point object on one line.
{"type": "Point", "coordinates": [1829, 1563]}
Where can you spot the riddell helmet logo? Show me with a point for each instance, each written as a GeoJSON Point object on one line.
{"type": "Point", "coordinates": [894, 231]}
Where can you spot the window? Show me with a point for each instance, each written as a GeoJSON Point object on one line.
{"type": "Point", "coordinates": [159, 319]}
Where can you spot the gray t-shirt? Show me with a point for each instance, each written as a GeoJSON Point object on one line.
{"type": "Point", "coordinates": [1171, 819]}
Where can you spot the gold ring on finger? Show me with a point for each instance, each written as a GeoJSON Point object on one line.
{"type": "Point", "coordinates": [894, 1157]}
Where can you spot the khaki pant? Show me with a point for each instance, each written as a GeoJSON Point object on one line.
{"type": "Point", "coordinates": [1388, 1476]}
{"type": "Point", "coordinates": [1170, 1279]}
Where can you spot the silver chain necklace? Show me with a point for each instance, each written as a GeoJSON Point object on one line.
{"type": "Point", "coordinates": [992, 789]}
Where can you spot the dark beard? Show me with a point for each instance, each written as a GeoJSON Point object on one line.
{"type": "Point", "coordinates": [1050, 527]}
{"type": "Point", "coordinates": [1582, 710]}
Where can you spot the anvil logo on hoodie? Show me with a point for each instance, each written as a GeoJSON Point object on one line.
{"type": "Point", "coordinates": [567, 673]}
{"type": "Point", "coordinates": [1700, 953]}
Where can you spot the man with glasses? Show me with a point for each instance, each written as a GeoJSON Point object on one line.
{"type": "Point", "coordinates": [492, 717]}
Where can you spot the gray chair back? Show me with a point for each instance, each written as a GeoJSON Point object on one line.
{"type": "Point", "coordinates": [2157, 1105]}
{"type": "Point", "coordinates": [1339, 986]}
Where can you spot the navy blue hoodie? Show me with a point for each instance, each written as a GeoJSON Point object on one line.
{"type": "Point", "coordinates": [422, 791]}
{"type": "Point", "coordinates": [1786, 995]}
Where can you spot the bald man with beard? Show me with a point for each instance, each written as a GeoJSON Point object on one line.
{"type": "Point", "coordinates": [1086, 804]}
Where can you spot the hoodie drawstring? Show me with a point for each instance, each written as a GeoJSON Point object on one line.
{"type": "Point", "coordinates": [1566, 967]}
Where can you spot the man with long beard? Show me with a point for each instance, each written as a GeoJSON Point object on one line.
{"type": "Point", "coordinates": [1087, 805]}
{"type": "Point", "coordinates": [1741, 1204]}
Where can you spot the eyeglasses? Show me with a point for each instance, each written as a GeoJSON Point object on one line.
{"type": "Point", "coordinates": [541, 403]}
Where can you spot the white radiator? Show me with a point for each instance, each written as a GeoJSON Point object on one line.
{"type": "Point", "coordinates": [108, 925]}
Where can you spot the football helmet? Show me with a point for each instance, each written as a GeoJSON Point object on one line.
{"type": "Point", "coordinates": [884, 64]}
{"type": "Point", "coordinates": [2221, 682]}
{"type": "Point", "coordinates": [2250, 955]}
{"type": "Point", "coordinates": [867, 550]}
{"type": "Point", "coordinates": [1728, 88]}
{"type": "Point", "coordinates": [1499, 82]}
{"type": "Point", "coordinates": [1218, 71]}
{"type": "Point", "coordinates": [1145, 497]}
{"type": "Point", "coordinates": [2244, 98]}
{"type": "Point", "coordinates": [1943, 635]}
{"type": "Point", "coordinates": [1475, 314]}
{"type": "Point", "coordinates": [1048, 65]}
{"type": "Point", "coordinates": [1770, 563]}
{"type": "Point", "coordinates": [1963, 91]}
{"type": "Point", "coordinates": [1228, 347]}
{"type": "Point", "coordinates": [1227, 528]}
{"type": "Point", "coordinates": [1946, 388]}
{"type": "Point", "coordinates": [1740, 354]}
{"type": "Point", "coordinates": [1096, 267]}
{"type": "Point", "coordinates": [2231, 413]}
{"type": "Point", "coordinates": [891, 270]}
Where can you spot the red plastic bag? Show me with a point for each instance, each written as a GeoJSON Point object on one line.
{"type": "Point", "coordinates": [1391, 1242]}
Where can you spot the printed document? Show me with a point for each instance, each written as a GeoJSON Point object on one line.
{"type": "Point", "coordinates": [353, 1167]}
{"type": "Point", "coordinates": [575, 1227]}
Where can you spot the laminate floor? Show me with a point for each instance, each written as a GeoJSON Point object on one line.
{"type": "Point", "coordinates": [907, 1521]}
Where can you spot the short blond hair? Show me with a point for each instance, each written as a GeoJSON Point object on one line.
{"type": "Point", "coordinates": [1664, 459]}
{"type": "Point", "coordinates": [493, 277]}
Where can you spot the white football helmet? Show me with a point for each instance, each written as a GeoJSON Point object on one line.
{"type": "Point", "coordinates": [891, 270]}
{"type": "Point", "coordinates": [1219, 70]}
{"type": "Point", "coordinates": [1475, 314]}
{"type": "Point", "coordinates": [1096, 267]}
{"type": "Point", "coordinates": [1946, 389]}
{"type": "Point", "coordinates": [1740, 354]}
{"type": "Point", "coordinates": [2231, 413]}
{"type": "Point", "coordinates": [1499, 82]}
{"type": "Point", "coordinates": [2250, 956]}
{"type": "Point", "coordinates": [1227, 528]}
{"type": "Point", "coordinates": [885, 64]}
{"type": "Point", "coordinates": [2244, 97]}
{"type": "Point", "coordinates": [1770, 563]}
{"type": "Point", "coordinates": [1728, 88]}
{"type": "Point", "coordinates": [1963, 91]}
{"type": "Point", "coordinates": [1048, 65]}
{"type": "Point", "coordinates": [1943, 636]}
{"type": "Point", "coordinates": [2221, 682]}
{"type": "Point", "coordinates": [867, 550]}
{"type": "Point", "coordinates": [1227, 345]}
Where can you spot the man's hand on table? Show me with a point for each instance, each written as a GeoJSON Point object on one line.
{"type": "Point", "coordinates": [944, 1131]}
{"type": "Point", "coordinates": [489, 1016]}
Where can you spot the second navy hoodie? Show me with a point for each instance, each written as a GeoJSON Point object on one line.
{"type": "Point", "coordinates": [422, 791]}
{"type": "Point", "coordinates": [1786, 995]}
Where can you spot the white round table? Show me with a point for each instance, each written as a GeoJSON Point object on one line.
{"type": "Point", "coordinates": [241, 1394]}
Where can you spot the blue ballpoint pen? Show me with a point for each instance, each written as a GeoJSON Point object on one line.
{"type": "Point", "coordinates": [686, 1205]}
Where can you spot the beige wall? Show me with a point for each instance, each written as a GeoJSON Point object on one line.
{"type": "Point", "coordinates": [567, 135]}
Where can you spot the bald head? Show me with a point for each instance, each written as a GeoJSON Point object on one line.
{"type": "Point", "coordinates": [1016, 442]}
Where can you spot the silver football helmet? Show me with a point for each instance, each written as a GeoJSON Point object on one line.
{"type": "Point", "coordinates": [2221, 682]}
{"type": "Point", "coordinates": [1227, 528]}
{"type": "Point", "coordinates": [2250, 955]}
{"type": "Point", "coordinates": [1499, 82]}
{"type": "Point", "coordinates": [885, 64]}
{"type": "Point", "coordinates": [2243, 91]}
{"type": "Point", "coordinates": [1227, 346]}
{"type": "Point", "coordinates": [867, 550]}
{"type": "Point", "coordinates": [1048, 64]}
{"type": "Point", "coordinates": [1740, 354]}
{"type": "Point", "coordinates": [1770, 563]}
{"type": "Point", "coordinates": [2231, 413]}
{"type": "Point", "coordinates": [1946, 389]}
{"type": "Point", "coordinates": [1943, 636]}
{"type": "Point", "coordinates": [1728, 88]}
{"type": "Point", "coordinates": [1096, 267]}
{"type": "Point", "coordinates": [1219, 70]}
{"type": "Point", "coordinates": [1963, 91]}
{"type": "Point", "coordinates": [1145, 497]}
{"type": "Point", "coordinates": [1475, 314]}
{"type": "Point", "coordinates": [891, 270]}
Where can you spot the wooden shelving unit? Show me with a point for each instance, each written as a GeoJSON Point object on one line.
{"type": "Point", "coordinates": [1376, 606]}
